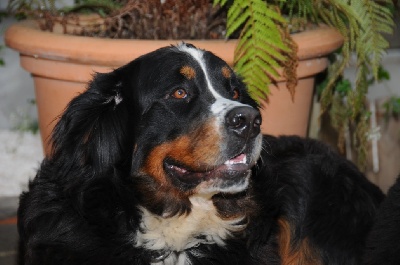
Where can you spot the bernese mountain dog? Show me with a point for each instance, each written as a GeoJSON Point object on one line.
{"type": "Point", "coordinates": [161, 161]}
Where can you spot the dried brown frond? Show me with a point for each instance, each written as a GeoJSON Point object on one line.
{"type": "Point", "coordinates": [290, 65]}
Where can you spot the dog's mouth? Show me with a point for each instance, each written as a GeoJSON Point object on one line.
{"type": "Point", "coordinates": [235, 167]}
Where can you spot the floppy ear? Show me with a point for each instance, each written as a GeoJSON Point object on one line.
{"type": "Point", "coordinates": [96, 128]}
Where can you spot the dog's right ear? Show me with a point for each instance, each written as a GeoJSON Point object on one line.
{"type": "Point", "coordinates": [95, 130]}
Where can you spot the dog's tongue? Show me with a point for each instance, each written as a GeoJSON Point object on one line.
{"type": "Point", "coordinates": [240, 159]}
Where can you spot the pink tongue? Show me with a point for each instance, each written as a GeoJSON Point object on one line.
{"type": "Point", "coordinates": [238, 159]}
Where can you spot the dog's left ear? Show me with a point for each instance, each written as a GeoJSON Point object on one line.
{"type": "Point", "coordinates": [95, 129]}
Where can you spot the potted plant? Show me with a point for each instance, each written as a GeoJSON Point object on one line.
{"type": "Point", "coordinates": [266, 55]}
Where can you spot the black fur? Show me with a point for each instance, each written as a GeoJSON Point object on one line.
{"type": "Point", "coordinates": [82, 207]}
{"type": "Point", "coordinates": [323, 196]}
{"type": "Point", "coordinates": [383, 242]}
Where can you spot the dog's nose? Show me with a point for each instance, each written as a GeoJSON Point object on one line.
{"type": "Point", "coordinates": [244, 121]}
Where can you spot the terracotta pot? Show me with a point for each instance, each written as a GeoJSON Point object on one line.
{"type": "Point", "coordinates": [61, 66]}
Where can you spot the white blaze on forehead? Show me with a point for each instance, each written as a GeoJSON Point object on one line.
{"type": "Point", "coordinates": [198, 56]}
{"type": "Point", "coordinates": [222, 104]}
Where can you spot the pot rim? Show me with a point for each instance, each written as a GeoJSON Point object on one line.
{"type": "Point", "coordinates": [102, 51]}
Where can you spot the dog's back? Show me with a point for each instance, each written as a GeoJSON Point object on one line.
{"type": "Point", "coordinates": [323, 207]}
{"type": "Point", "coordinates": [383, 246]}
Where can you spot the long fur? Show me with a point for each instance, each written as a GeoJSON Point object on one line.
{"type": "Point", "coordinates": [100, 191]}
{"type": "Point", "coordinates": [383, 242]}
{"type": "Point", "coordinates": [324, 199]}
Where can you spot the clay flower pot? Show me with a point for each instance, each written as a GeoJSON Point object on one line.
{"type": "Point", "coordinates": [61, 66]}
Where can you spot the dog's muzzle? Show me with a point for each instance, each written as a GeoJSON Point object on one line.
{"type": "Point", "coordinates": [244, 122]}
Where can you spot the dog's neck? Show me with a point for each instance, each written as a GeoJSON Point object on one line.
{"type": "Point", "coordinates": [204, 224]}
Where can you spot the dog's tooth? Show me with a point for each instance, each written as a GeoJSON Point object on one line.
{"type": "Point", "coordinates": [234, 161]}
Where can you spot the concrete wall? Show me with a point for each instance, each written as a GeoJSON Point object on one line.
{"type": "Point", "coordinates": [16, 87]}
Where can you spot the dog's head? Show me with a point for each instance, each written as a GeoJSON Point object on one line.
{"type": "Point", "coordinates": [178, 119]}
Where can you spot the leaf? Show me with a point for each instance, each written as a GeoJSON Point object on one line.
{"type": "Point", "coordinates": [260, 46]}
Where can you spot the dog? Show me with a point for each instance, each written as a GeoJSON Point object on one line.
{"type": "Point", "coordinates": [161, 161]}
{"type": "Point", "coordinates": [383, 240]}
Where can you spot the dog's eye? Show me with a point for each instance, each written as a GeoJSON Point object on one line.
{"type": "Point", "coordinates": [235, 94]}
{"type": "Point", "coordinates": [180, 93]}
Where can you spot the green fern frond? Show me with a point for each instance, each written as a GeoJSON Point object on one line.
{"type": "Point", "coordinates": [237, 15]}
{"type": "Point", "coordinates": [375, 19]}
{"type": "Point", "coordinates": [220, 2]}
{"type": "Point", "coordinates": [264, 47]}
{"type": "Point", "coordinates": [260, 50]}
{"type": "Point", "coordinates": [300, 8]}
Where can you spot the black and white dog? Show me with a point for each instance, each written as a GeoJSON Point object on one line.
{"type": "Point", "coordinates": [162, 162]}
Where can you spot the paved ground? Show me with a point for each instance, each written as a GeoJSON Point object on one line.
{"type": "Point", "coordinates": [20, 154]}
{"type": "Point", "coordinates": [8, 230]}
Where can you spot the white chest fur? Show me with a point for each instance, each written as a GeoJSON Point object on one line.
{"type": "Point", "coordinates": [177, 233]}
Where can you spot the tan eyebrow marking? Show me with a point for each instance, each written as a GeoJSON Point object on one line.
{"type": "Point", "coordinates": [226, 72]}
{"type": "Point", "coordinates": [188, 72]}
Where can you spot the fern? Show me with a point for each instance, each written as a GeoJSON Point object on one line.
{"type": "Point", "coordinates": [262, 48]}
{"type": "Point", "coordinates": [362, 23]}
{"type": "Point", "coordinates": [375, 19]}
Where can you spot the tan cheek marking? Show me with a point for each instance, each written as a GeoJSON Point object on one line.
{"type": "Point", "coordinates": [226, 72]}
{"type": "Point", "coordinates": [303, 254]}
{"type": "Point", "coordinates": [154, 167]}
{"type": "Point", "coordinates": [198, 150]}
{"type": "Point", "coordinates": [188, 72]}
{"type": "Point", "coordinates": [207, 149]}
